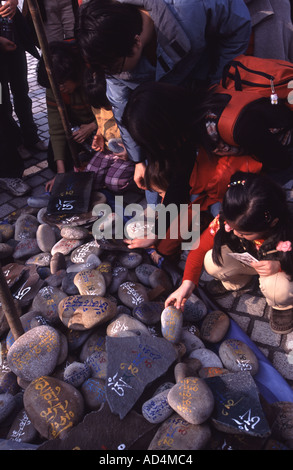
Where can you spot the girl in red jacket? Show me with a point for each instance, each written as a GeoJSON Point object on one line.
{"type": "Point", "coordinates": [255, 221]}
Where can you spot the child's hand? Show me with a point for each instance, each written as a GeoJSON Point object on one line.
{"type": "Point", "coordinates": [266, 267]}
{"type": "Point", "coordinates": [179, 296]}
{"type": "Point", "coordinates": [84, 132]}
{"type": "Point", "coordinates": [140, 242]}
{"type": "Point", "coordinates": [98, 143]}
{"type": "Point", "coordinates": [139, 175]}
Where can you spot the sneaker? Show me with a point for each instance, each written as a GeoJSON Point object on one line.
{"type": "Point", "coordinates": [14, 186]}
{"type": "Point", "coordinates": [281, 321]}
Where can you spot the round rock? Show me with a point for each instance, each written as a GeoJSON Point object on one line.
{"type": "Point", "coordinates": [132, 294]}
{"type": "Point", "coordinates": [90, 282]}
{"type": "Point", "coordinates": [74, 232]}
{"type": "Point", "coordinates": [53, 406]}
{"type": "Point", "coordinates": [157, 408]}
{"type": "Point", "coordinates": [148, 312]}
{"type": "Point", "coordinates": [25, 227]}
{"type": "Point", "coordinates": [94, 393]}
{"type": "Point", "coordinates": [207, 357]}
{"type": "Point", "coordinates": [76, 373]}
{"type": "Point", "coordinates": [46, 237]}
{"type": "Point", "coordinates": [65, 246]}
{"type": "Point", "coordinates": [47, 301]}
{"type": "Point", "coordinates": [35, 353]}
{"type": "Point", "coordinates": [192, 399]}
{"type": "Point", "coordinates": [214, 326]}
{"type": "Point", "coordinates": [238, 356]}
{"type": "Point", "coordinates": [171, 324]}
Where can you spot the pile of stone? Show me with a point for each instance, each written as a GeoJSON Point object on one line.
{"type": "Point", "coordinates": [102, 364]}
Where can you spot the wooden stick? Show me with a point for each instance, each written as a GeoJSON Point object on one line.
{"type": "Point", "coordinates": [9, 308]}
{"type": "Point", "coordinates": [41, 34]}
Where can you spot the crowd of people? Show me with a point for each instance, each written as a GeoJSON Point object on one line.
{"type": "Point", "coordinates": [142, 83]}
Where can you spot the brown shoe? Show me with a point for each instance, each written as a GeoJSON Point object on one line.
{"type": "Point", "coordinates": [281, 321]}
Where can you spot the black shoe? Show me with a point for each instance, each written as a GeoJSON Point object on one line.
{"type": "Point", "coordinates": [215, 288]}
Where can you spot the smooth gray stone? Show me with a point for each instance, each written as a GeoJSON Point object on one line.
{"type": "Point", "coordinates": [190, 340]}
{"type": "Point", "coordinates": [238, 356]}
{"type": "Point", "coordinates": [97, 363]}
{"type": "Point", "coordinates": [26, 322]}
{"type": "Point", "coordinates": [96, 341]}
{"type": "Point", "coordinates": [22, 429]}
{"type": "Point", "coordinates": [132, 294]}
{"type": "Point", "coordinates": [171, 324]}
{"type": "Point", "coordinates": [125, 325]}
{"type": "Point", "coordinates": [194, 309]}
{"type": "Point", "coordinates": [7, 405]}
{"type": "Point", "coordinates": [47, 301]}
{"type": "Point", "coordinates": [9, 444]}
{"type": "Point", "coordinates": [81, 253]}
{"type": "Point", "coordinates": [38, 201]}
{"type": "Point", "coordinates": [157, 408]}
{"type": "Point", "coordinates": [149, 312]}
{"type": "Point", "coordinates": [76, 373]}
{"type": "Point", "coordinates": [35, 353]}
{"type": "Point", "coordinates": [130, 260]}
{"type": "Point", "coordinates": [207, 357]}
{"type": "Point", "coordinates": [46, 237]}
{"type": "Point", "coordinates": [26, 227]}
{"type": "Point", "coordinates": [192, 399]}
{"type": "Point", "coordinates": [133, 363]}
{"type": "Point", "coordinates": [55, 280]}
{"type": "Point", "coordinates": [68, 285]}
{"type": "Point", "coordinates": [119, 275]}
{"type": "Point", "coordinates": [74, 232]}
{"type": "Point", "coordinates": [143, 272]}
{"type": "Point", "coordinates": [25, 248]}
{"type": "Point", "coordinates": [94, 393]}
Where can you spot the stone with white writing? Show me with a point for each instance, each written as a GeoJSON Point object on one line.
{"type": "Point", "coordinates": [76, 373]}
{"type": "Point", "coordinates": [214, 326]}
{"type": "Point", "coordinates": [175, 433]}
{"type": "Point", "coordinates": [26, 292]}
{"type": "Point", "coordinates": [119, 274]}
{"type": "Point", "coordinates": [207, 357]}
{"type": "Point", "coordinates": [192, 399]}
{"type": "Point", "coordinates": [97, 363]}
{"type": "Point", "coordinates": [132, 294]}
{"type": "Point", "coordinates": [149, 312]}
{"type": "Point", "coordinates": [237, 406]}
{"type": "Point", "coordinates": [90, 282]}
{"type": "Point", "coordinates": [125, 325]}
{"type": "Point", "coordinates": [26, 226]}
{"type": "Point", "coordinates": [82, 312]}
{"type": "Point", "coordinates": [53, 406]}
{"type": "Point", "coordinates": [47, 301]}
{"type": "Point", "coordinates": [194, 309]}
{"type": "Point", "coordinates": [34, 353]}
{"type": "Point", "coordinates": [93, 391]}
{"type": "Point", "coordinates": [133, 363]}
{"type": "Point", "coordinates": [82, 252]}
{"type": "Point", "coordinates": [171, 324]}
{"type": "Point", "coordinates": [190, 339]}
{"type": "Point", "coordinates": [7, 405]}
{"type": "Point", "coordinates": [13, 272]}
{"type": "Point", "coordinates": [238, 356]}
{"type": "Point", "coordinates": [157, 408]}
{"type": "Point", "coordinates": [25, 248]}
{"type": "Point", "coordinates": [130, 260]}
{"type": "Point", "coordinates": [65, 246]}
{"type": "Point", "coordinates": [92, 262]}
{"type": "Point", "coordinates": [22, 429]}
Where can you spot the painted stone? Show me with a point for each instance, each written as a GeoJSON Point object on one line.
{"type": "Point", "coordinates": [171, 324]}
{"type": "Point", "coordinates": [90, 282]}
{"type": "Point", "coordinates": [214, 326]}
{"type": "Point", "coordinates": [238, 356]}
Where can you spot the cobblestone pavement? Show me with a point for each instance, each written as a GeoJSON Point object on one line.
{"type": "Point", "coordinates": [248, 310]}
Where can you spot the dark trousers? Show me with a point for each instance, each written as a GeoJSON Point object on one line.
{"type": "Point", "coordinates": [15, 69]}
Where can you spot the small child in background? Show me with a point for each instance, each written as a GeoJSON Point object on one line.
{"type": "Point", "coordinates": [255, 219]}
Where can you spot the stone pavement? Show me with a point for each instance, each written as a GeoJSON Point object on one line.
{"type": "Point", "coordinates": [249, 311]}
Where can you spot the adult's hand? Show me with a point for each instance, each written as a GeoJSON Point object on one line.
{"type": "Point", "coordinates": [9, 9]}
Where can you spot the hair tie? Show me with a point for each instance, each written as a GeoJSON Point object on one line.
{"type": "Point", "coordinates": [235, 183]}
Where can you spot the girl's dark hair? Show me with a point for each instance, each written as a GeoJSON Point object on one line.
{"type": "Point", "coordinates": [106, 31]}
{"type": "Point", "coordinates": [95, 89]}
{"type": "Point", "coordinates": [165, 120]}
{"type": "Point", "coordinates": [67, 64]}
{"type": "Point", "coordinates": [154, 176]}
{"type": "Point", "coordinates": [255, 203]}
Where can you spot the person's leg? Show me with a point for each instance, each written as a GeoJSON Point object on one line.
{"type": "Point", "coordinates": [67, 18]}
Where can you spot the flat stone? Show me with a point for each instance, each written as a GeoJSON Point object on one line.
{"type": "Point", "coordinates": [132, 294]}
{"type": "Point", "coordinates": [81, 253]}
{"type": "Point", "coordinates": [46, 237]}
{"type": "Point", "coordinates": [125, 325]}
{"type": "Point", "coordinates": [133, 363]}
{"type": "Point", "coordinates": [90, 282]}
{"type": "Point", "coordinates": [40, 259]}
{"type": "Point", "coordinates": [237, 406]}
{"type": "Point", "coordinates": [65, 246]}
{"type": "Point", "coordinates": [192, 399]}
{"type": "Point", "coordinates": [214, 326]}
{"type": "Point", "coordinates": [76, 373]}
{"type": "Point", "coordinates": [47, 301]}
{"type": "Point", "coordinates": [35, 353]}
{"type": "Point", "coordinates": [13, 272]}
{"type": "Point", "coordinates": [175, 433]}
{"type": "Point", "coordinates": [74, 232]}
{"type": "Point", "coordinates": [171, 324]}
{"type": "Point", "coordinates": [28, 289]}
{"type": "Point", "coordinates": [25, 227]}
{"type": "Point", "coordinates": [53, 406]}
{"type": "Point", "coordinates": [149, 312]}
{"type": "Point", "coordinates": [82, 312]}
{"type": "Point", "coordinates": [238, 356]}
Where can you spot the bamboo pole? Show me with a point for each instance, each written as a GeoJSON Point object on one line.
{"type": "Point", "coordinates": [9, 308]}
{"type": "Point", "coordinates": [42, 38]}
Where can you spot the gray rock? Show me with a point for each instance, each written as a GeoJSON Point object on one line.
{"type": "Point", "coordinates": [81, 253]}
{"type": "Point", "coordinates": [26, 227]}
{"type": "Point", "coordinates": [76, 373]}
{"type": "Point", "coordinates": [149, 312]}
{"type": "Point", "coordinates": [171, 324]}
{"type": "Point", "coordinates": [130, 260]}
{"type": "Point", "coordinates": [132, 294]}
{"type": "Point", "coordinates": [22, 429]}
{"type": "Point", "coordinates": [157, 408]}
{"type": "Point", "coordinates": [46, 237]}
{"type": "Point", "coordinates": [65, 246]}
{"type": "Point", "coordinates": [207, 357]}
{"type": "Point", "coordinates": [125, 325]}
{"type": "Point", "coordinates": [7, 405]}
{"type": "Point", "coordinates": [143, 272]}
{"type": "Point", "coordinates": [94, 393]}
{"type": "Point", "coordinates": [25, 248]}
{"type": "Point", "coordinates": [90, 282]}
{"type": "Point", "coordinates": [237, 356]}
{"type": "Point", "coordinates": [47, 301]}
{"type": "Point", "coordinates": [97, 363]}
